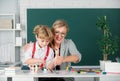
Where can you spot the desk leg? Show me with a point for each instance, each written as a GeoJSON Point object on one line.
{"type": "Point", "coordinates": [35, 79]}
{"type": "Point", "coordinates": [9, 78]}
{"type": "Point", "coordinates": [96, 79]}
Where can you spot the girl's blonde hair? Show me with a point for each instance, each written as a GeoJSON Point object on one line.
{"type": "Point", "coordinates": [44, 32]}
{"type": "Point", "coordinates": [59, 23]}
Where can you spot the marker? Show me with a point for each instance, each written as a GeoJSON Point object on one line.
{"type": "Point", "coordinates": [104, 73]}
{"type": "Point", "coordinates": [113, 72]}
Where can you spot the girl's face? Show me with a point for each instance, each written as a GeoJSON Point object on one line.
{"type": "Point", "coordinates": [59, 34]}
{"type": "Point", "coordinates": [42, 42]}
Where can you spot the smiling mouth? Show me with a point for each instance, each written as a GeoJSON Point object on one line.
{"type": "Point", "coordinates": [58, 39]}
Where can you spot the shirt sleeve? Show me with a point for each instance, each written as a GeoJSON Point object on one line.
{"type": "Point", "coordinates": [73, 49]}
{"type": "Point", "coordinates": [27, 54]}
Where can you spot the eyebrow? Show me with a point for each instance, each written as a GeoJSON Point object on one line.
{"type": "Point", "coordinates": [59, 32]}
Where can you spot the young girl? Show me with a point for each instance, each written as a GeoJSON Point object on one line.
{"type": "Point", "coordinates": [39, 52]}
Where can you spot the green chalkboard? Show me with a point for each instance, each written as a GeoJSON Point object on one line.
{"type": "Point", "coordinates": [82, 28]}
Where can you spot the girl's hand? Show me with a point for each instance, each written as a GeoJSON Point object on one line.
{"type": "Point", "coordinates": [41, 61]}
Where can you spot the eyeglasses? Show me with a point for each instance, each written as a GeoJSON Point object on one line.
{"type": "Point", "coordinates": [60, 33]}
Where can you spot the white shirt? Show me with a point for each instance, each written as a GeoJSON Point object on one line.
{"type": "Point", "coordinates": [39, 53]}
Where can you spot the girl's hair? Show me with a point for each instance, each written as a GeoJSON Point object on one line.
{"type": "Point", "coordinates": [59, 23]}
{"type": "Point", "coordinates": [44, 32]}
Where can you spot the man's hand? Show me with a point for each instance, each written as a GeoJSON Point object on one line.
{"type": "Point", "coordinates": [58, 60]}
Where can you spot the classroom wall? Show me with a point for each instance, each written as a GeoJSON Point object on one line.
{"type": "Point", "coordinates": [19, 8]}
{"type": "Point", "coordinates": [25, 4]}
{"type": "Point", "coordinates": [10, 6]}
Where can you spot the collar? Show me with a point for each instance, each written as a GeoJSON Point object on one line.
{"type": "Point", "coordinates": [38, 47]}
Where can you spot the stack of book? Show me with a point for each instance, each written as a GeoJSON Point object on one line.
{"type": "Point", "coordinates": [11, 70]}
{"type": "Point", "coordinates": [6, 23]}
